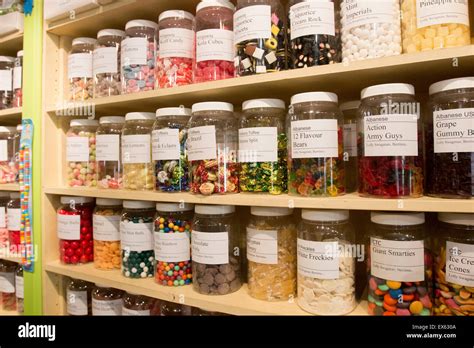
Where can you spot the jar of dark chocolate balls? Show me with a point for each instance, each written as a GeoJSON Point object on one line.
{"type": "Point", "coordinates": [136, 304]}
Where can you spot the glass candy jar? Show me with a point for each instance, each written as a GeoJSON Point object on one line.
{"type": "Point", "coordinates": [7, 285]}
{"type": "Point", "coordinates": [8, 162]}
{"type": "Point", "coordinates": [14, 223]}
{"type": "Point", "coordinates": [106, 300]}
{"type": "Point", "coordinates": [6, 81]}
{"type": "Point", "coordinates": [349, 110]}
{"type": "Point", "coordinates": [19, 289]}
{"type": "Point", "coordinates": [17, 100]}
{"type": "Point", "coordinates": [80, 69]}
{"type": "Point", "coordinates": [79, 297]}
{"type": "Point", "coordinates": [136, 305]}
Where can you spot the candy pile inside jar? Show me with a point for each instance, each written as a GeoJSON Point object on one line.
{"type": "Point", "coordinates": [14, 223]}
{"type": "Point", "coordinates": [80, 69]}
{"type": "Point", "coordinates": [8, 162]}
{"type": "Point", "coordinates": [17, 100]}
{"type": "Point", "coordinates": [106, 300]}
{"type": "Point", "coordinates": [6, 81]}
{"type": "Point", "coordinates": [74, 228]}
{"type": "Point", "coordinates": [7, 285]}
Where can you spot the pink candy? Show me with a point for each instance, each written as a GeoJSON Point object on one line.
{"type": "Point", "coordinates": [174, 72]}
{"type": "Point", "coordinates": [213, 70]}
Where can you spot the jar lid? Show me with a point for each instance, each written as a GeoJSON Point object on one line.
{"type": "Point", "coordinates": [79, 200]}
{"type": "Point", "coordinates": [350, 105]}
{"type": "Point", "coordinates": [15, 195]}
{"type": "Point", "coordinates": [141, 23]}
{"type": "Point", "coordinates": [325, 215]}
{"type": "Point", "coordinates": [214, 209]}
{"type": "Point", "coordinates": [271, 211]}
{"type": "Point", "coordinates": [111, 32]}
{"type": "Point", "coordinates": [179, 111]}
{"type": "Point", "coordinates": [19, 53]}
{"type": "Point", "coordinates": [263, 103]}
{"type": "Point", "coordinates": [83, 122]}
{"type": "Point", "coordinates": [171, 207]}
{"type": "Point", "coordinates": [447, 85]}
{"type": "Point", "coordinates": [397, 219]}
{"type": "Point", "coordinates": [131, 116]}
{"type": "Point", "coordinates": [108, 201]}
{"type": "Point", "coordinates": [457, 218]}
{"type": "Point", "coordinates": [84, 41]}
{"type": "Point", "coordinates": [5, 129]}
{"type": "Point", "coordinates": [388, 88]}
{"type": "Point", "coordinates": [215, 3]}
{"type": "Point", "coordinates": [7, 59]}
{"type": "Point", "coordinates": [111, 119]}
{"type": "Point", "coordinates": [175, 14]}
{"type": "Point", "coordinates": [19, 128]}
{"type": "Point", "coordinates": [314, 97]}
{"type": "Point", "coordinates": [138, 204]}
{"type": "Point", "coordinates": [212, 106]}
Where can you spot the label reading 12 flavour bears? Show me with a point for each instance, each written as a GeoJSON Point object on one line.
{"type": "Point", "coordinates": [108, 147]}
{"type": "Point", "coordinates": [429, 12]}
{"type": "Point", "coordinates": [106, 228]}
{"type": "Point", "coordinates": [201, 143]}
{"type": "Point", "coordinates": [318, 259]}
{"type": "Point", "coordinates": [258, 144]}
{"type": "Point", "coordinates": [136, 236]}
{"type": "Point", "coordinates": [77, 302]}
{"type": "Point", "coordinates": [176, 42]}
{"type": "Point", "coordinates": [460, 263]}
{"type": "Point", "coordinates": [80, 65]}
{"type": "Point", "coordinates": [314, 139]}
{"type": "Point", "coordinates": [136, 149]}
{"type": "Point", "coordinates": [350, 139]}
{"type": "Point", "coordinates": [105, 60]}
{"type": "Point", "coordinates": [210, 248]}
{"type": "Point", "coordinates": [262, 246]}
{"type": "Point", "coordinates": [165, 144]}
{"type": "Point", "coordinates": [214, 44]}
{"type": "Point", "coordinates": [367, 12]}
{"type": "Point", "coordinates": [312, 18]}
{"type": "Point", "coordinates": [172, 247]}
{"type": "Point", "coordinates": [134, 51]}
{"type": "Point", "coordinates": [453, 130]}
{"type": "Point", "coordinates": [69, 227]}
{"type": "Point", "coordinates": [252, 22]}
{"type": "Point", "coordinates": [113, 307]}
{"type": "Point", "coordinates": [77, 149]}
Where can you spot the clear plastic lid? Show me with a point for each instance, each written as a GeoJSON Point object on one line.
{"type": "Point", "coordinates": [111, 119]}
{"type": "Point", "coordinates": [465, 219]}
{"type": "Point", "coordinates": [388, 88]}
{"type": "Point", "coordinates": [214, 209]}
{"type": "Point", "coordinates": [263, 103]}
{"type": "Point", "coordinates": [325, 215]}
{"type": "Point", "coordinates": [448, 85]}
{"type": "Point", "coordinates": [132, 116]}
{"type": "Point", "coordinates": [76, 199]}
{"type": "Point", "coordinates": [171, 207]}
{"type": "Point", "coordinates": [212, 106]}
{"type": "Point", "coordinates": [138, 204]}
{"type": "Point", "coordinates": [271, 211]}
{"type": "Point", "coordinates": [397, 219]}
{"type": "Point", "coordinates": [314, 97]}
{"type": "Point", "coordinates": [141, 23]}
{"type": "Point", "coordinates": [215, 3]}
{"type": "Point", "coordinates": [84, 41]}
{"type": "Point", "coordinates": [175, 14]}
{"type": "Point", "coordinates": [111, 32]}
{"type": "Point", "coordinates": [108, 201]}
{"type": "Point", "coordinates": [179, 111]}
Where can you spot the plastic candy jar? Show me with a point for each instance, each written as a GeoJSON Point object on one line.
{"type": "Point", "coordinates": [214, 41]}
{"type": "Point", "coordinates": [4, 199]}
{"type": "Point", "coordinates": [136, 151]}
{"type": "Point", "coordinates": [8, 165]}
{"type": "Point", "coordinates": [80, 69]}
{"type": "Point", "coordinates": [453, 265]}
{"type": "Point", "coordinates": [136, 230]}
{"type": "Point", "coordinates": [74, 227]}
{"type": "Point", "coordinates": [7, 285]}
{"type": "Point", "coordinates": [315, 34]}
{"type": "Point", "coordinates": [315, 165]}
{"type": "Point", "coordinates": [6, 81]}
{"type": "Point", "coordinates": [136, 305]}
{"type": "Point", "coordinates": [19, 289]}
{"type": "Point", "coordinates": [326, 262]}
{"type": "Point", "coordinates": [138, 56]}
{"type": "Point", "coordinates": [260, 35]}
{"type": "Point", "coordinates": [81, 153]}
{"type": "Point", "coordinates": [168, 140]}
{"type": "Point", "coordinates": [390, 142]}
{"type": "Point", "coordinates": [212, 148]}
{"type": "Point", "coordinates": [106, 63]}
{"type": "Point", "coordinates": [428, 24]}
{"type": "Point", "coordinates": [263, 146]}
{"type": "Point", "coordinates": [14, 223]}
{"type": "Point", "coordinates": [79, 297]}
{"type": "Point", "coordinates": [108, 146]}
{"type": "Point", "coordinates": [349, 110]}
{"type": "Point", "coordinates": [106, 300]}
{"type": "Point", "coordinates": [370, 29]}
{"type": "Point", "coordinates": [17, 100]}
{"type": "Point", "coordinates": [171, 309]}
{"type": "Point", "coordinates": [106, 224]}
{"type": "Point", "coordinates": [216, 250]}
{"type": "Point", "coordinates": [176, 49]}
{"type": "Point", "coordinates": [449, 148]}
{"type": "Point", "coordinates": [399, 265]}
{"type": "Point", "coordinates": [173, 243]}
{"type": "Point", "coordinates": [271, 254]}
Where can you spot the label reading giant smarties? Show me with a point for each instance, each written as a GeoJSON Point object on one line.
{"type": "Point", "coordinates": [314, 139]}
{"type": "Point", "coordinates": [69, 227]}
{"type": "Point", "coordinates": [134, 51]}
{"type": "Point", "coordinates": [3, 217]}
{"type": "Point", "coordinates": [202, 143]}
{"type": "Point", "coordinates": [401, 261]}
{"type": "Point", "coordinates": [262, 246]}
{"type": "Point", "coordinates": [210, 248]}
{"type": "Point", "coordinates": [429, 12]}
{"type": "Point", "coordinates": [3, 150]}
{"type": "Point", "coordinates": [214, 44]}
{"type": "Point", "coordinates": [391, 135]}
{"type": "Point", "coordinates": [252, 22]}
{"type": "Point", "coordinates": [77, 149]}
{"type": "Point", "coordinates": [108, 147]}
{"type": "Point", "coordinates": [112, 307]}
{"type": "Point", "coordinates": [350, 139]}
{"type": "Point", "coordinates": [13, 219]}
{"type": "Point", "coordinates": [318, 260]}
{"type": "Point", "coordinates": [7, 282]}
{"type": "Point", "coordinates": [312, 18]}
{"type": "Point", "coordinates": [136, 149]}
{"type": "Point", "coordinates": [138, 313]}
{"type": "Point", "coordinates": [79, 65]}
{"type": "Point", "coordinates": [258, 144]}
{"type": "Point", "coordinates": [165, 144]}
{"type": "Point", "coordinates": [105, 60]}
{"type": "Point", "coordinates": [176, 42]}
{"type": "Point", "coordinates": [6, 80]}
{"type": "Point", "coordinates": [17, 75]}
{"type": "Point", "coordinates": [19, 287]}
{"type": "Point", "coordinates": [366, 12]}
{"type": "Point", "coordinates": [136, 236]}
{"type": "Point", "coordinates": [460, 263]}
{"type": "Point", "coordinates": [172, 247]}
{"type": "Point", "coordinates": [453, 130]}
{"type": "Point", "coordinates": [106, 228]}
{"type": "Point", "coordinates": [77, 302]}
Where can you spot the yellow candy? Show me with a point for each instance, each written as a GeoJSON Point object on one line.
{"type": "Point", "coordinates": [416, 307]}
{"type": "Point", "coordinates": [275, 30]}
{"type": "Point", "coordinates": [393, 284]}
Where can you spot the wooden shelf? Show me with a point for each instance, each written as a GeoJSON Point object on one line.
{"type": "Point", "coordinates": [10, 116]}
{"type": "Point", "coordinates": [16, 259]}
{"type": "Point", "coordinates": [238, 303]}
{"type": "Point", "coordinates": [7, 313]}
{"type": "Point", "coordinates": [9, 187]}
{"type": "Point", "coordinates": [10, 44]}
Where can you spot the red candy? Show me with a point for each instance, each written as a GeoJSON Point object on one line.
{"type": "Point", "coordinates": [213, 70]}
{"type": "Point", "coordinates": [174, 72]}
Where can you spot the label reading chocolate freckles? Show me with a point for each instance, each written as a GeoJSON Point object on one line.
{"type": "Point", "coordinates": [460, 263]}
{"type": "Point", "coordinates": [210, 248]}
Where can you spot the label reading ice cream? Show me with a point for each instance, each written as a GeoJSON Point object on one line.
{"type": "Point", "coordinates": [453, 130]}
{"type": "Point", "coordinates": [214, 44]}
{"type": "Point", "coordinates": [6, 80]}
{"type": "Point", "coordinates": [460, 263]}
{"type": "Point", "coordinates": [77, 302]}
{"type": "Point", "coordinates": [69, 227]}
{"type": "Point", "coordinates": [210, 248]}
{"type": "Point", "coordinates": [105, 60]}
{"type": "Point", "coordinates": [132, 312]}
{"type": "Point", "coordinates": [362, 12]}
{"type": "Point", "coordinates": [113, 307]}
{"type": "Point", "coordinates": [172, 247]}
{"type": "Point", "coordinates": [108, 147]}
{"type": "Point", "coordinates": [77, 149]}
{"type": "Point", "coordinates": [136, 149]}
{"type": "Point", "coordinates": [312, 18]}
{"type": "Point", "coordinates": [434, 12]}
{"type": "Point", "coordinates": [318, 259]}
{"type": "Point", "coordinates": [252, 22]}
{"type": "Point", "coordinates": [106, 228]}
{"type": "Point", "coordinates": [136, 236]}
{"type": "Point", "coordinates": [397, 260]}
{"type": "Point", "coordinates": [7, 282]}
{"type": "Point", "coordinates": [176, 42]}
{"type": "Point", "coordinates": [262, 246]}
{"type": "Point", "coordinates": [79, 65]}
{"type": "Point", "coordinates": [258, 144]}
{"type": "Point", "coordinates": [134, 51]}
{"type": "Point", "coordinates": [13, 219]}
{"type": "Point", "coordinates": [350, 139]}
{"type": "Point", "coordinates": [165, 144]}
{"type": "Point", "coordinates": [202, 143]}
{"type": "Point", "coordinates": [314, 139]}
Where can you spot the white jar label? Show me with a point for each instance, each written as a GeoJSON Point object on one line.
{"type": "Point", "coordinates": [453, 130]}
{"type": "Point", "coordinates": [314, 139]}
{"type": "Point", "coordinates": [69, 227]}
{"type": "Point", "coordinates": [105, 60]}
{"type": "Point", "coordinates": [17, 75]}
{"type": "Point", "coordinates": [136, 236]}
{"type": "Point", "coordinates": [312, 18]}
{"type": "Point", "coordinates": [77, 302]}
{"type": "Point", "coordinates": [176, 42]}
{"type": "Point", "coordinates": [6, 80]}
{"type": "Point", "coordinates": [7, 282]}
{"type": "Point", "coordinates": [132, 312]}
{"type": "Point", "coordinates": [202, 143]}
{"type": "Point", "coordinates": [108, 147]}
{"type": "Point", "coordinates": [397, 260]}
{"type": "Point", "coordinates": [13, 219]}
{"type": "Point", "coordinates": [210, 248]}
{"type": "Point", "coordinates": [356, 13]}
{"type": "Point", "coordinates": [252, 22]}
{"type": "Point", "coordinates": [262, 246]}
{"type": "Point", "coordinates": [79, 65]}
{"type": "Point", "coordinates": [77, 149]}
{"type": "Point", "coordinates": [214, 44]}
{"type": "Point", "coordinates": [19, 287]}
{"type": "Point", "coordinates": [430, 12]}
{"type": "Point", "coordinates": [3, 217]}
{"type": "Point", "coordinates": [258, 144]}
{"type": "Point", "coordinates": [172, 247]}
{"type": "Point", "coordinates": [134, 51]}
{"type": "Point", "coordinates": [318, 260]}
{"type": "Point", "coordinates": [165, 144]}
{"type": "Point", "coordinates": [4, 150]}
{"type": "Point", "coordinates": [106, 228]}
{"type": "Point", "coordinates": [350, 139]}
{"type": "Point", "coordinates": [460, 263]}
{"type": "Point", "coordinates": [136, 149]}
{"type": "Point", "coordinates": [113, 307]}
{"type": "Point", "coordinates": [391, 135]}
